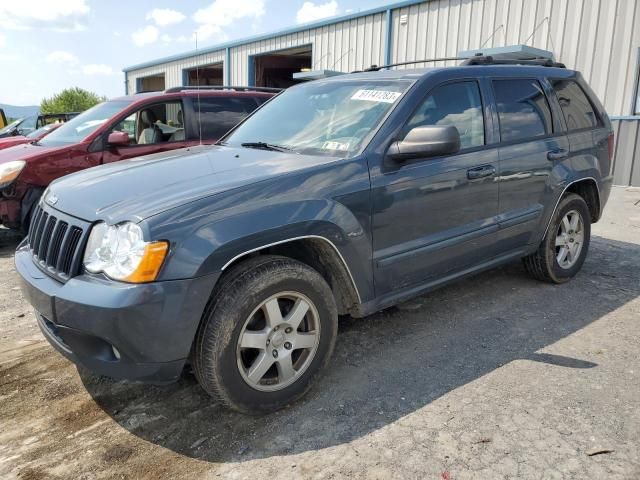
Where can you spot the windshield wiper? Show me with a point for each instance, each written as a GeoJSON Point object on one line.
{"type": "Point", "coordinates": [266, 146]}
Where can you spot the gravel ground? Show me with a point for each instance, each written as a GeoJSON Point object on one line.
{"type": "Point", "coordinates": [497, 376]}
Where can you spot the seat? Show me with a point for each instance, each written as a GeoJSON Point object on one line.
{"type": "Point", "coordinates": [150, 133]}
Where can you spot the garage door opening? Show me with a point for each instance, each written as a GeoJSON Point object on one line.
{"type": "Point", "coordinates": [276, 69]}
{"type": "Point", "coordinates": [205, 75]}
{"type": "Point", "coordinates": [152, 83]}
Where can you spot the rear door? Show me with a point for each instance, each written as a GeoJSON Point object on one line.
{"type": "Point", "coordinates": [531, 142]}
{"type": "Point", "coordinates": [154, 128]}
{"type": "Point", "coordinates": [436, 215]}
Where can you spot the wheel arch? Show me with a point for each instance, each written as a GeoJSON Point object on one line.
{"type": "Point", "coordinates": [319, 253]}
{"type": "Point", "coordinates": [588, 189]}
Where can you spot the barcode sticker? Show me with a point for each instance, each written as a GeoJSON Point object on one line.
{"type": "Point", "coordinates": [376, 96]}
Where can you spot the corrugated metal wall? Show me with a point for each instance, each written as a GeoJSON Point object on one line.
{"type": "Point", "coordinates": [173, 70]}
{"type": "Point", "coordinates": [600, 38]}
{"type": "Point", "coordinates": [344, 46]}
{"type": "Point", "coordinates": [596, 37]}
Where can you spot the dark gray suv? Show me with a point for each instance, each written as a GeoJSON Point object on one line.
{"type": "Point", "coordinates": [339, 196]}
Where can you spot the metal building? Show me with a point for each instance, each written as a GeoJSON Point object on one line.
{"type": "Point", "coordinates": [600, 38]}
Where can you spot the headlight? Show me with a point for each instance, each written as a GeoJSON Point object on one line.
{"type": "Point", "coordinates": [121, 253]}
{"type": "Point", "coordinates": [9, 172]}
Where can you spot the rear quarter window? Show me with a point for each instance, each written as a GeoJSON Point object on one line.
{"type": "Point", "coordinates": [576, 108]}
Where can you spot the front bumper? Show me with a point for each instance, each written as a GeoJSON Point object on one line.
{"type": "Point", "coordinates": [137, 332]}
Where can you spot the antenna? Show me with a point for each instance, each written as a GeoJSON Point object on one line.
{"type": "Point", "coordinates": [198, 96]}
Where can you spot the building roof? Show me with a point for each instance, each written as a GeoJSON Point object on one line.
{"type": "Point", "coordinates": [296, 29]}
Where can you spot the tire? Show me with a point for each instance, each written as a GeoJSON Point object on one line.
{"type": "Point", "coordinates": [242, 312]}
{"type": "Point", "coordinates": [544, 263]}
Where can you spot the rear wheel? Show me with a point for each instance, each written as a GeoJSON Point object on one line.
{"type": "Point", "coordinates": [564, 248]}
{"type": "Point", "coordinates": [267, 334]}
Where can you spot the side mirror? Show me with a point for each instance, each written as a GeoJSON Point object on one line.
{"type": "Point", "coordinates": [427, 141]}
{"type": "Point", "coordinates": [118, 139]}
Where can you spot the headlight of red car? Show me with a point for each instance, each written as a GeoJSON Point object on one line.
{"type": "Point", "coordinates": [9, 172]}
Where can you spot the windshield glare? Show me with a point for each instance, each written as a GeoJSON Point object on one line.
{"type": "Point", "coordinates": [40, 131]}
{"type": "Point", "coordinates": [332, 118]}
{"type": "Point", "coordinates": [80, 127]}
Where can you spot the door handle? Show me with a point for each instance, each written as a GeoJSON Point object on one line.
{"type": "Point", "coordinates": [481, 172]}
{"type": "Point", "coordinates": [557, 154]}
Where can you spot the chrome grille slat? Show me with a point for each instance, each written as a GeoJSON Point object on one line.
{"type": "Point", "coordinates": [57, 241]}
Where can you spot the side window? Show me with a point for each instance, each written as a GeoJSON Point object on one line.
{"type": "Point", "coordinates": [458, 104]}
{"type": "Point", "coordinates": [576, 107]}
{"type": "Point", "coordinates": [220, 114]}
{"type": "Point", "coordinates": [158, 123]}
{"type": "Point", "coordinates": [523, 109]}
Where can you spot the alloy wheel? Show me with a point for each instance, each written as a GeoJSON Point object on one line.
{"type": "Point", "coordinates": [278, 341]}
{"type": "Point", "coordinates": [569, 239]}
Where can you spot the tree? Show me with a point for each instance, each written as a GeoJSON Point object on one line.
{"type": "Point", "coordinates": [70, 100]}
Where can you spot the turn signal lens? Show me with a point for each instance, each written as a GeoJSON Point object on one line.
{"type": "Point", "coordinates": [150, 263]}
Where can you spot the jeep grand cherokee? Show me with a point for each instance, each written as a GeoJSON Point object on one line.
{"type": "Point", "coordinates": [340, 196]}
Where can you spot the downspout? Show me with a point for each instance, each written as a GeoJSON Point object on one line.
{"type": "Point", "coordinates": [388, 30]}
{"type": "Point", "coordinates": [227, 67]}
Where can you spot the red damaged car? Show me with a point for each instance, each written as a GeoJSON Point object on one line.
{"type": "Point", "coordinates": [34, 136]}
{"type": "Point", "coordinates": [121, 128]}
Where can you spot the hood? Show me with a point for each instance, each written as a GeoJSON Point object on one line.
{"type": "Point", "coordinates": [25, 151]}
{"type": "Point", "coordinates": [141, 187]}
{"type": "Point", "coordinates": [7, 142]}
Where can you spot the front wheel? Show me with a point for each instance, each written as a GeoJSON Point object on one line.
{"type": "Point", "coordinates": [564, 248]}
{"type": "Point", "coordinates": [267, 334]}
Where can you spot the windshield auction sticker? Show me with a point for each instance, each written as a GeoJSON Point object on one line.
{"type": "Point", "coordinates": [335, 146]}
{"type": "Point", "coordinates": [376, 96]}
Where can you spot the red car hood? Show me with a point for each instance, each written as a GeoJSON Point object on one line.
{"type": "Point", "coordinates": [26, 152]}
{"type": "Point", "coordinates": [12, 141]}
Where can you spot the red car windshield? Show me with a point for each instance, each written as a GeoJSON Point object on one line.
{"type": "Point", "coordinates": [80, 127]}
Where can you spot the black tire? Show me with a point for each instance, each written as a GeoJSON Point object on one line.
{"type": "Point", "coordinates": [244, 288]}
{"type": "Point", "coordinates": [543, 264]}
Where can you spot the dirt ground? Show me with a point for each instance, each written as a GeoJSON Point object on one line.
{"type": "Point", "coordinates": [497, 376]}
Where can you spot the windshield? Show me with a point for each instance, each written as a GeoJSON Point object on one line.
{"type": "Point", "coordinates": [332, 118]}
{"type": "Point", "coordinates": [80, 127]}
{"type": "Point", "coordinates": [9, 127]}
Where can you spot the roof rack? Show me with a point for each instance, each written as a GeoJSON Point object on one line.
{"type": "Point", "coordinates": [222, 87]}
{"type": "Point", "coordinates": [478, 59]}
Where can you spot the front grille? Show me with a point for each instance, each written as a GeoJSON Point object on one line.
{"type": "Point", "coordinates": [56, 241]}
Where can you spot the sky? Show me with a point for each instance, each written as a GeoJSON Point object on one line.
{"type": "Point", "coordinates": [49, 45]}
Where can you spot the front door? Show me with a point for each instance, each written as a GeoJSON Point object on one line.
{"type": "Point", "coordinates": [434, 216]}
{"type": "Point", "coordinates": [151, 129]}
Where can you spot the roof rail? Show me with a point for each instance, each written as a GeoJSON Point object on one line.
{"type": "Point", "coordinates": [376, 68]}
{"type": "Point", "coordinates": [480, 59]}
{"type": "Point", "coordinates": [222, 87]}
